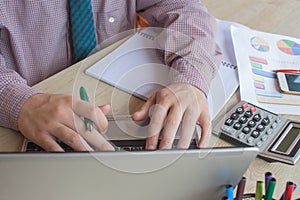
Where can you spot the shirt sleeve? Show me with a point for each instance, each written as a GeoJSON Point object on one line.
{"type": "Point", "coordinates": [14, 91]}
{"type": "Point", "coordinates": [189, 45]}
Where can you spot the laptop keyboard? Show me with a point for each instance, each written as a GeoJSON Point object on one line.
{"type": "Point", "coordinates": [120, 145]}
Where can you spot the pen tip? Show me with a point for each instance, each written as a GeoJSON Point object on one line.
{"type": "Point", "coordinates": [89, 127]}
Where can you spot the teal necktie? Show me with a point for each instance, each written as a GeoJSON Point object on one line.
{"type": "Point", "coordinates": [82, 28]}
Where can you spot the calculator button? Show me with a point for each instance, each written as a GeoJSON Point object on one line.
{"type": "Point", "coordinates": [259, 143]}
{"type": "Point", "coordinates": [250, 140]}
{"type": "Point", "coordinates": [253, 109]}
{"type": "Point", "coordinates": [251, 123]}
{"type": "Point", "coordinates": [270, 116]}
{"type": "Point", "coordinates": [265, 121]}
{"type": "Point", "coordinates": [255, 134]}
{"type": "Point", "coordinates": [274, 125]}
{"type": "Point", "coordinates": [264, 138]}
{"type": "Point", "coordinates": [229, 122]}
{"type": "Point", "coordinates": [241, 136]}
{"type": "Point", "coordinates": [239, 110]}
{"type": "Point", "coordinates": [269, 132]}
{"type": "Point", "coordinates": [260, 127]}
{"type": "Point", "coordinates": [246, 130]}
{"type": "Point", "coordinates": [245, 105]}
{"type": "Point", "coordinates": [257, 117]}
{"type": "Point", "coordinates": [234, 116]}
{"type": "Point", "coordinates": [248, 114]}
{"type": "Point", "coordinates": [243, 120]}
{"type": "Point", "coordinates": [237, 126]}
{"type": "Point", "coordinates": [229, 130]}
{"type": "Point", "coordinates": [278, 120]}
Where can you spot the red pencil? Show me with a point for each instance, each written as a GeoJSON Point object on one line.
{"type": "Point", "coordinates": [289, 190]}
{"type": "Point", "coordinates": [292, 71]}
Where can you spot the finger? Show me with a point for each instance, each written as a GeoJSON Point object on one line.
{"type": "Point", "coordinates": [143, 112]}
{"type": "Point", "coordinates": [155, 126]}
{"type": "Point", "coordinates": [94, 113]}
{"type": "Point", "coordinates": [47, 143]}
{"type": "Point", "coordinates": [187, 129]}
{"type": "Point", "coordinates": [93, 137]}
{"type": "Point", "coordinates": [170, 128]}
{"type": "Point", "coordinates": [151, 142]}
{"type": "Point", "coordinates": [98, 141]}
{"type": "Point", "coordinates": [71, 138]}
{"type": "Point", "coordinates": [205, 125]}
{"type": "Point", "coordinates": [105, 108]}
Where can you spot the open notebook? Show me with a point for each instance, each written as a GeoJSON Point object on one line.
{"type": "Point", "coordinates": [135, 67]}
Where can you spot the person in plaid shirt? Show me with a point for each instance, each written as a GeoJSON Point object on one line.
{"type": "Point", "coordinates": [35, 44]}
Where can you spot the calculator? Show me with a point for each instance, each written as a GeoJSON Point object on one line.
{"type": "Point", "coordinates": [276, 137]}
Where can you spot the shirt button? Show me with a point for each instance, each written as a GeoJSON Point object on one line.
{"type": "Point", "coordinates": [111, 20]}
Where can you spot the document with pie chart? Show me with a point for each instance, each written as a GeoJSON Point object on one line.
{"type": "Point", "coordinates": [258, 54]}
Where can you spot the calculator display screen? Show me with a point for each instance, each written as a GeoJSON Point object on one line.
{"type": "Point", "coordinates": [288, 140]}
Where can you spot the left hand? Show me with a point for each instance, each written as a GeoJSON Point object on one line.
{"type": "Point", "coordinates": [168, 107]}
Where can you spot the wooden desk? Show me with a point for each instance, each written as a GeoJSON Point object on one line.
{"type": "Point", "coordinates": [275, 16]}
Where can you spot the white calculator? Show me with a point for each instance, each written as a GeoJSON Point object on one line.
{"type": "Point", "coordinates": [277, 137]}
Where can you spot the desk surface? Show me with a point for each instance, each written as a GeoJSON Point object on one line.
{"type": "Point", "coordinates": [275, 16]}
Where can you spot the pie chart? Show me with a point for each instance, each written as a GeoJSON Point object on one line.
{"type": "Point", "coordinates": [289, 47]}
{"type": "Point", "coordinates": [259, 44]}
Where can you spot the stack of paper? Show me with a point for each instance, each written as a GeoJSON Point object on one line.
{"type": "Point", "coordinates": [258, 55]}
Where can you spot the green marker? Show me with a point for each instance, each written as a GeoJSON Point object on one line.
{"type": "Point", "coordinates": [84, 97]}
{"type": "Point", "coordinates": [270, 190]}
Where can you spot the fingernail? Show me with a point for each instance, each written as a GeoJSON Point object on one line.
{"type": "Point", "coordinates": [111, 148]}
{"type": "Point", "coordinates": [150, 147]}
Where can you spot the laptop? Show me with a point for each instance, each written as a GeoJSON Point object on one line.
{"type": "Point", "coordinates": [131, 175]}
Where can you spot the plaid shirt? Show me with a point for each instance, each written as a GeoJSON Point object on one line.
{"type": "Point", "coordinates": [35, 42]}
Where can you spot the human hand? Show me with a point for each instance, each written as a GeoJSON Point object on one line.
{"type": "Point", "coordinates": [46, 117]}
{"type": "Point", "coordinates": [171, 105]}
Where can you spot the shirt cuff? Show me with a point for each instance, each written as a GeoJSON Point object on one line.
{"type": "Point", "coordinates": [12, 100]}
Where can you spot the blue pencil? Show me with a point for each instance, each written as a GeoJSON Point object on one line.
{"type": "Point", "coordinates": [268, 176]}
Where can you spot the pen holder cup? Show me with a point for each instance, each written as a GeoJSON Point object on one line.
{"type": "Point", "coordinates": [251, 196]}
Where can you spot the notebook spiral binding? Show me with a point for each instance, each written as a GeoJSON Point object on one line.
{"type": "Point", "coordinates": [229, 65]}
{"type": "Point", "coordinates": [145, 35]}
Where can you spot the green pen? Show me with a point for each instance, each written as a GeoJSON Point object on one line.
{"type": "Point", "coordinates": [84, 97]}
{"type": "Point", "coordinates": [270, 190]}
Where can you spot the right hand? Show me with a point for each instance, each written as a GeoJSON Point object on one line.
{"type": "Point", "coordinates": [44, 118]}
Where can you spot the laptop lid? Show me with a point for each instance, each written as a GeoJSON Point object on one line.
{"type": "Point", "coordinates": [168, 175]}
